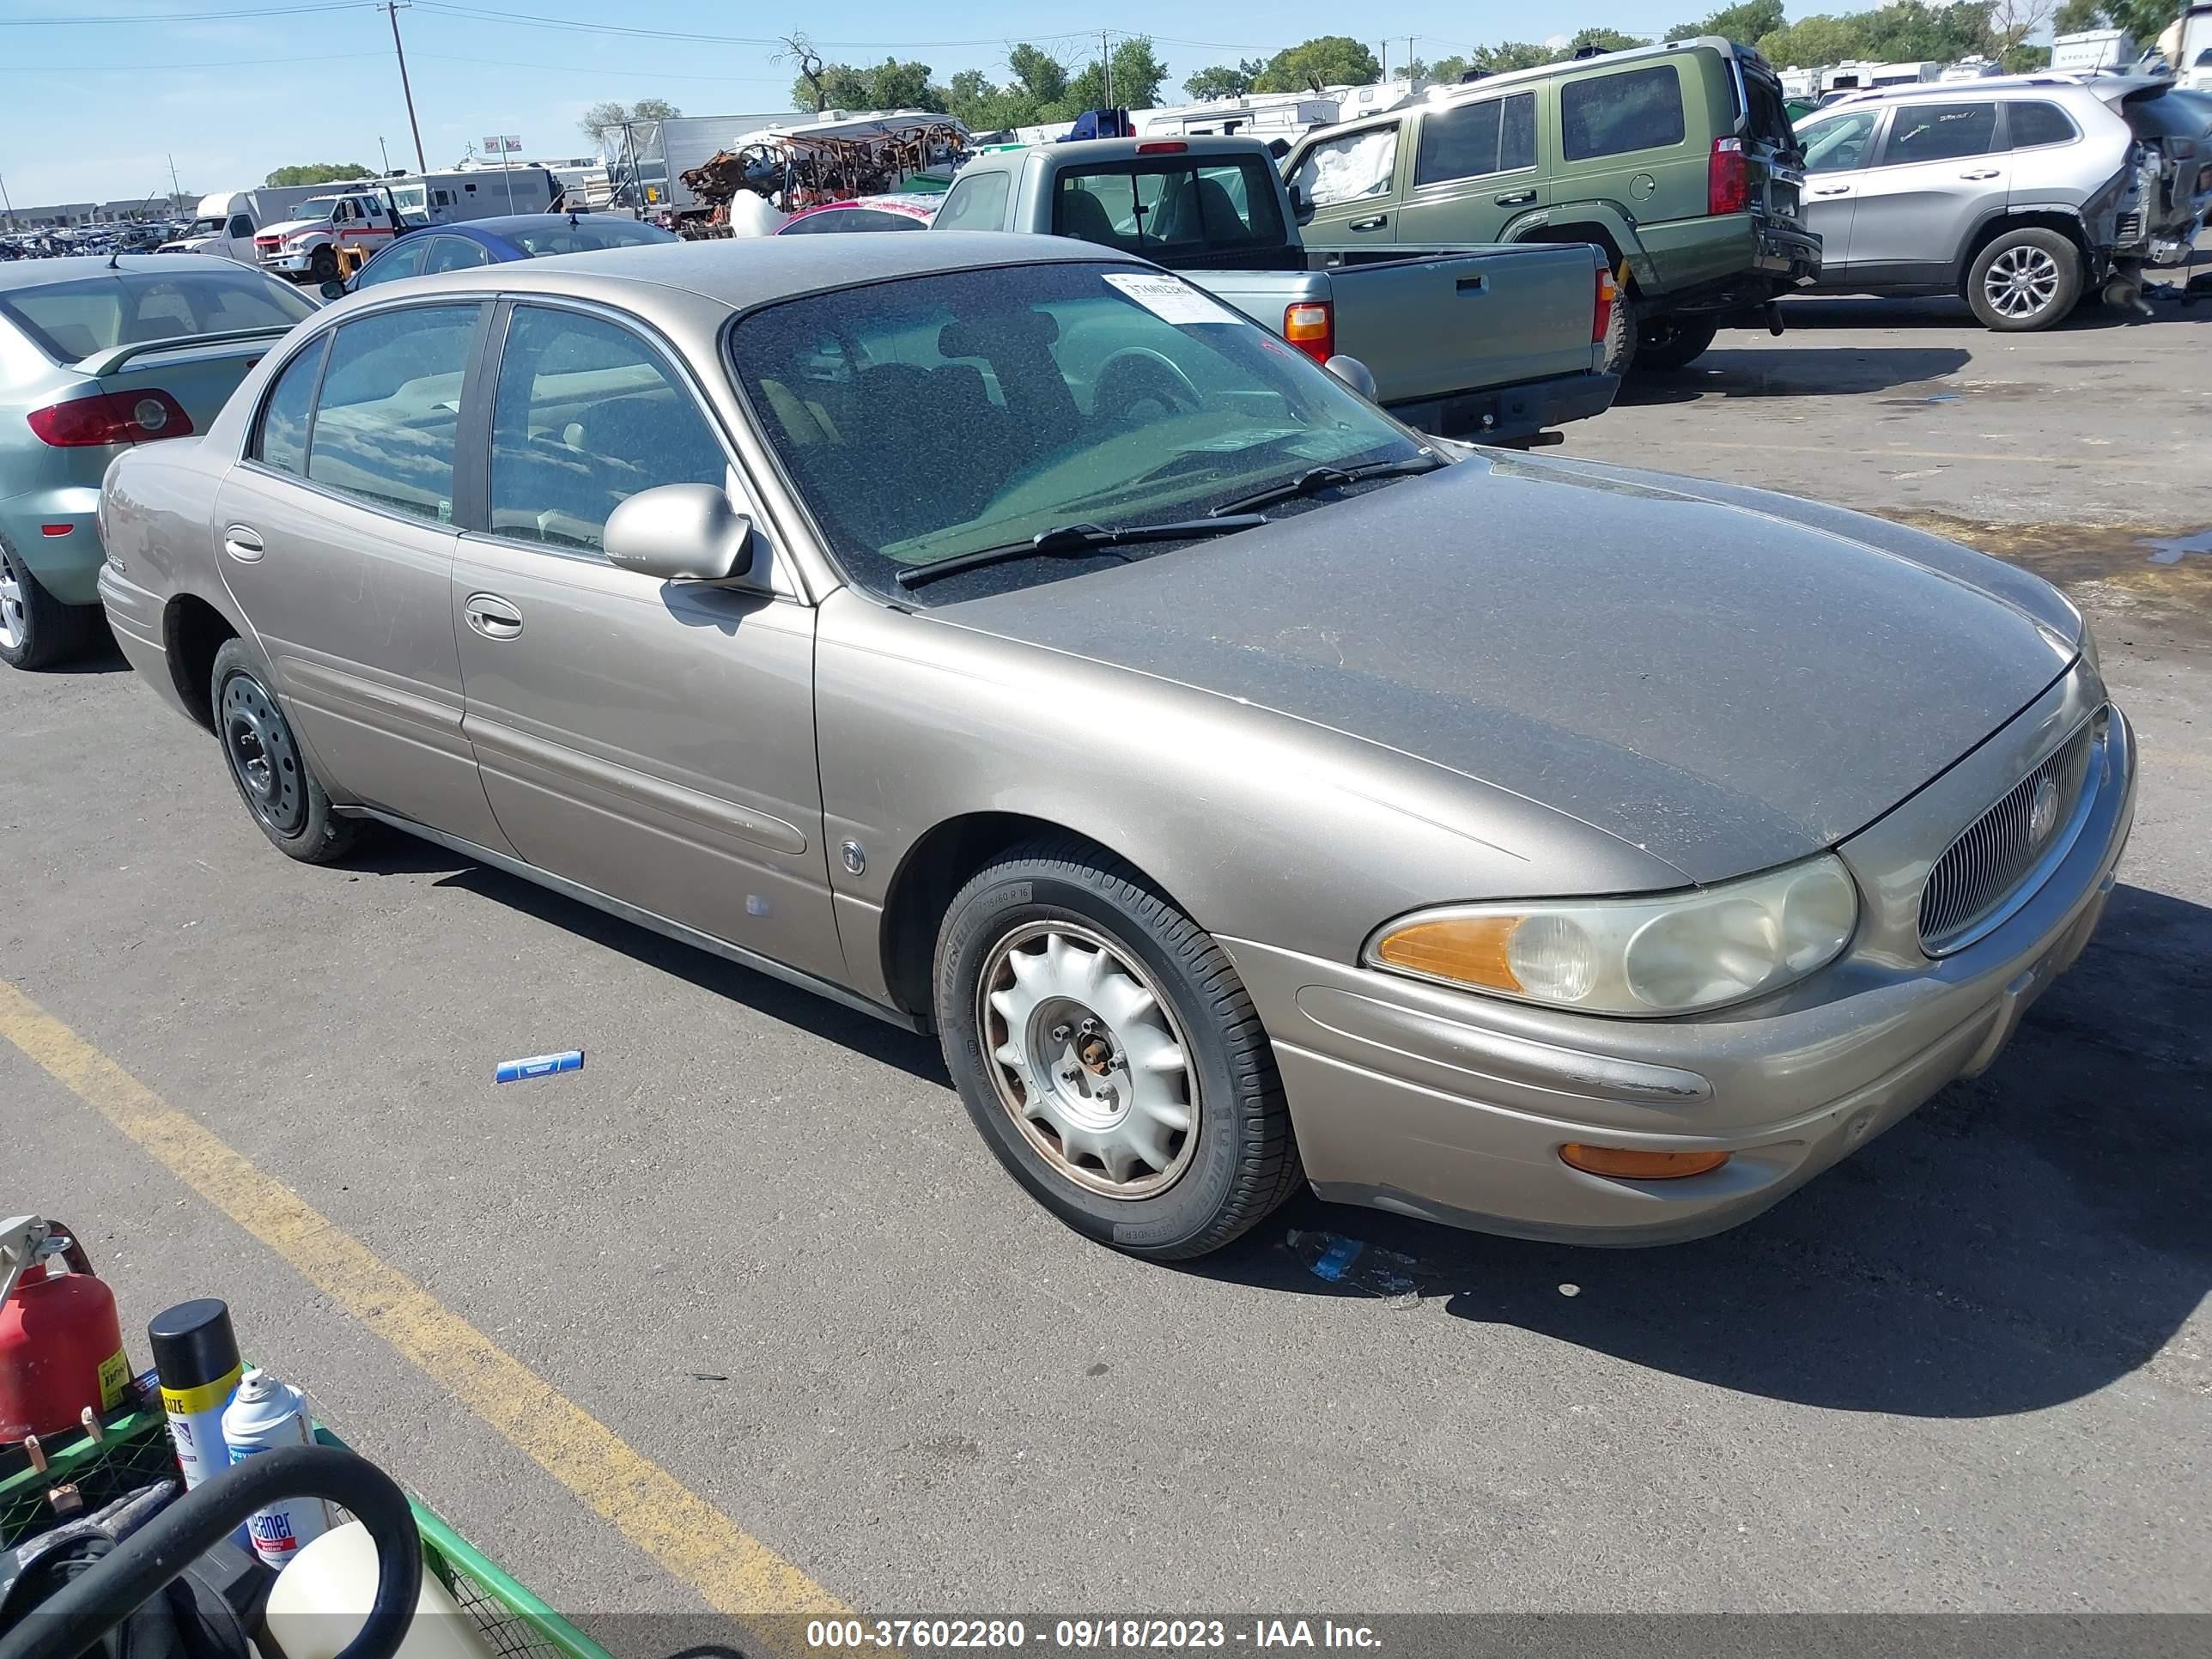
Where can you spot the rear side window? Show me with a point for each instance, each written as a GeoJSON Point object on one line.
{"type": "Point", "coordinates": [240, 225]}
{"type": "Point", "coordinates": [282, 441]}
{"type": "Point", "coordinates": [1496, 136]}
{"type": "Point", "coordinates": [976, 204]}
{"type": "Point", "coordinates": [74, 319]}
{"type": "Point", "coordinates": [390, 407]}
{"type": "Point", "coordinates": [2039, 123]}
{"type": "Point", "coordinates": [1613, 114]}
{"type": "Point", "coordinates": [1940, 132]}
{"type": "Point", "coordinates": [586, 415]}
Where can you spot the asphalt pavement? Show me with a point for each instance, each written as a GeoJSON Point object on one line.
{"type": "Point", "coordinates": [756, 1237]}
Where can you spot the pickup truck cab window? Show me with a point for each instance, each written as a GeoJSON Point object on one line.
{"type": "Point", "coordinates": [1149, 208]}
{"type": "Point", "coordinates": [976, 203]}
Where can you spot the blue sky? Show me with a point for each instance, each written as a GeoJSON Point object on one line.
{"type": "Point", "coordinates": [232, 95]}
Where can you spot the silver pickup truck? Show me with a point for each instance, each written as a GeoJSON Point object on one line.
{"type": "Point", "coordinates": [1499, 344]}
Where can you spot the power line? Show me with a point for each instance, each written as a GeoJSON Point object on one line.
{"type": "Point", "coordinates": [142, 19]}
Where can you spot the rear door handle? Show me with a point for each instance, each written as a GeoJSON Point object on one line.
{"type": "Point", "coordinates": [1375, 223]}
{"type": "Point", "coordinates": [492, 616]}
{"type": "Point", "coordinates": [242, 542]}
{"type": "Point", "coordinates": [1514, 197]}
{"type": "Point", "coordinates": [1471, 285]}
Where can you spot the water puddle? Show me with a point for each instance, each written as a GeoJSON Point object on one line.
{"type": "Point", "coordinates": [2168, 571]}
{"type": "Point", "coordinates": [2172, 550]}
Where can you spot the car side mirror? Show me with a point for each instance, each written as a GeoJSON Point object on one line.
{"type": "Point", "coordinates": [1301, 210]}
{"type": "Point", "coordinates": [681, 533]}
{"type": "Point", "coordinates": [333, 289]}
{"type": "Point", "coordinates": [1354, 373]}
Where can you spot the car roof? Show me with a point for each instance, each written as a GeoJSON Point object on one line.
{"type": "Point", "coordinates": [742, 271]}
{"type": "Point", "coordinates": [1490, 83]}
{"type": "Point", "coordinates": [2105, 88]}
{"type": "Point", "coordinates": [75, 267]}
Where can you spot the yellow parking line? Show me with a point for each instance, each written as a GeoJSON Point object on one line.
{"type": "Point", "coordinates": [734, 1572]}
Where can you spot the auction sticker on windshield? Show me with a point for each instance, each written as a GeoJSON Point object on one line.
{"type": "Point", "coordinates": [1170, 299]}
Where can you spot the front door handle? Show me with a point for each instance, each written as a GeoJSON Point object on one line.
{"type": "Point", "coordinates": [1514, 197]}
{"type": "Point", "coordinates": [242, 542]}
{"type": "Point", "coordinates": [1984, 173]}
{"type": "Point", "coordinates": [1833, 190]}
{"type": "Point", "coordinates": [492, 616]}
{"type": "Point", "coordinates": [1375, 223]}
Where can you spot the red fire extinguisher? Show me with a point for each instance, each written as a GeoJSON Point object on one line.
{"type": "Point", "coordinates": [61, 1345]}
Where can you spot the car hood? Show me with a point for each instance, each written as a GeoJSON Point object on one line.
{"type": "Point", "coordinates": [293, 227]}
{"type": "Point", "coordinates": [1726, 678]}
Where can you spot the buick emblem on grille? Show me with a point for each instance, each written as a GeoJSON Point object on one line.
{"type": "Point", "coordinates": [2042, 811]}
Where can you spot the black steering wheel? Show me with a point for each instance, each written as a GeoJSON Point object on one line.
{"type": "Point", "coordinates": [1137, 375]}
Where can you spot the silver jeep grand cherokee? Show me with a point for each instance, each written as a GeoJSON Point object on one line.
{"type": "Point", "coordinates": [2020, 193]}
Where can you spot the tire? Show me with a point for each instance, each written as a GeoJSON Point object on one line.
{"type": "Point", "coordinates": [1671, 343]}
{"type": "Point", "coordinates": [1018, 1046]}
{"type": "Point", "coordinates": [322, 264]}
{"type": "Point", "coordinates": [37, 630]}
{"type": "Point", "coordinates": [1620, 332]}
{"type": "Point", "coordinates": [2024, 279]}
{"type": "Point", "coordinates": [286, 799]}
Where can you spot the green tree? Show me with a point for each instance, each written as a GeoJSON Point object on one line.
{"type": "Point", "coordinates": [1447, 68]}
{"type": "Point", "coordinates": [890, 84]}
{"type": "Point", "coordinates": [2144, 19]}
{"type": "Point", "coordinates": [2075, 15]}
{"type": "Point", "coordinates": [1748, 22]}
{"type": "Point", "coordinates": [318, 173]}
{"type": "Point", "coordinates": [1328, 60]}
{"type": "Point", "coordinates": [1224, 80]}
{"type": "Point", "coordinates": [1510, 55]}
{"type": "Point", "coordinates": [1814, 43]}
{"type": "Point", "coordinates": [601, 119]}
{"type": "Point", "coordinates": [1139, 74]}
{"type": "Point", "coordinates": [1039, 77]}
{"type": "Point", "coordinates": [1604, 40]}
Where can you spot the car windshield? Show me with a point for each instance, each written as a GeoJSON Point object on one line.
{"type": "Point", "coordinates": [71, 321]}
{"type": "Point", "coordinates": [941, 415]}
{"type": "Point", "coordinates": [204, 227]}
{"type": "Point", "coordinates": [557, 235]}
{"type": "Point", "coordinates": [317, 207]}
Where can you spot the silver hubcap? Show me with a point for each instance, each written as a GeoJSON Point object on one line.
{"type": "Point", "coordinates": [2020, 282]}
{"type": "Point", "coordinates": [15, 620]}
{"type": "Point", "coordinates": [259, 745]}
{"type": "Point", "coordinates": [1088, 1060]}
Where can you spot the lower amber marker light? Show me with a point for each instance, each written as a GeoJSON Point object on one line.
{"type": "Point", "coordinates": [1630, 1164]}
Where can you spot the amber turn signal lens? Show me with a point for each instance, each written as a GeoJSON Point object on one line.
{"type": "Point", "coordinates": [1630, 1164]}
{"type": "Point", "coordinates": [1468, 949]}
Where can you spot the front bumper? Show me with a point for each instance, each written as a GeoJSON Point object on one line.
{"type": "Point", "coordinates": [1418, 1099]}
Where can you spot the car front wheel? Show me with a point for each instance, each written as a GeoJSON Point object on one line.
{"type": "Point", "coordinates": [265, 761]}
{"type": "Point", "coordinates": [1109, 1055]}
{"type": "Point", "coordinates": [2026, 279]}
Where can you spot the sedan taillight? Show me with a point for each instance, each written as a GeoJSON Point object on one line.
{"type": "Point", "coordinates": [116, 418]}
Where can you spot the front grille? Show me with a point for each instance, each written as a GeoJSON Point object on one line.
{"type": "Point", "coordinates": [1999, 850]}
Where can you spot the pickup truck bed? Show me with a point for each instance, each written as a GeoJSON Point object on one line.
{"type": "Point", "coordinates": [1496, 343]}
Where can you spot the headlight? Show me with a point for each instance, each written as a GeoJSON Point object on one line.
{"type": "Point", "coordinates": [1676, 953]}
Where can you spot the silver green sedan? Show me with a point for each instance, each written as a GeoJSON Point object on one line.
{"type": "Point", "coordinates": [996, 635]}
{"type": "Point", "coordinates": [97, 355]}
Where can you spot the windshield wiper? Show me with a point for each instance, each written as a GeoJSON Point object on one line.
{"type": "Point", "coordinates": [1315, 479]}
{"type": "Point", "coordinates": [1064, 540]}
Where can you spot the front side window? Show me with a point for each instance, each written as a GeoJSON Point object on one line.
{"type": "Point", "coordinates": [403, 259]}
{"type": "Point", "coordinates": [240, 225]}
{"type": "Point", "coordinates": [1350, 169]}
{"type": "Point", "coordinates": [1148, 209]}
{"type": "Point", "coordinates": [389, 411]}
{"type": "Point", "coordinates": [1465, 141]}
{"type": "Point", "coordinates": [1064, 394]}
{"type": "Point", "coordinates": [282, 442]}
{"type": "Point", "coordinates": [586, 415]}
{"type": "Point", "coordinates": [453, 253]}
{"type": "Point", "coordinates": [976, 204]}
{"type": "Point", "coordinates": [2034, 124]}
{"type": "Point", "coordinates": [1940, 132]}
{"type": "Point", "coordinates": [1619, 113]}
{"type": "Point", "coordinates": [1838, 143]}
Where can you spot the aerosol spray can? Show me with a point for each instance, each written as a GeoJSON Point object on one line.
{"type": "Point", "coordinates": [264, 1414]}
{"type": "Point", "coordinates": [196, 1358]}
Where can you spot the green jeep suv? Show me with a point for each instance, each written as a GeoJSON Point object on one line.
{"type": "Point", "coordinates": [1677, 159]}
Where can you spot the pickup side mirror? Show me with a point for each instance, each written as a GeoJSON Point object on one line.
{"type": "Point", "coordinates": [681, 533]}
{"type": "Point", "coordinates": [1301, 210]}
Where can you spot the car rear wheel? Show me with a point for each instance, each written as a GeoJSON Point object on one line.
{"type": "Point", "coordinates": [265, 761]}
{"type": "Point", "coordinates": [1621, 331]}
{"type": "Point", "coordinates": [2026, 279]}
{"type": "Point", "coordinates": [1667, 342]}
{"type": "Point", "coordinates": [37, 630]}
{"type": "Point", "coordinates": [1109, 1055]}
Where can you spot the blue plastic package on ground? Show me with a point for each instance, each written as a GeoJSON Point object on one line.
{"type": "Point", "coordinates": [514, 1070]}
